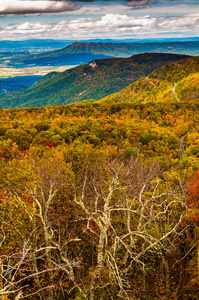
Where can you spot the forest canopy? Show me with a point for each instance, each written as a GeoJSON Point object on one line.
{"type": "Point", "coordinates": [99, 201]}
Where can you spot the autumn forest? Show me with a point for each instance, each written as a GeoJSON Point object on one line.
{"type": "Point", "coordinates": [100, 198]}
{"type": "Point", "coordinates": [100, 201]}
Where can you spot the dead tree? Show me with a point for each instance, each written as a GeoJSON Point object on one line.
{"type": "Point", "coordinates": [134, 217]}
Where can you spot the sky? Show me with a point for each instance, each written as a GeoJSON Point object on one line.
{"type": "Point", "coordinates": [98, 19]}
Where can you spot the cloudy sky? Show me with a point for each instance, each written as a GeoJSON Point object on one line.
{"type": "Point", "coordinates": [90, 19]}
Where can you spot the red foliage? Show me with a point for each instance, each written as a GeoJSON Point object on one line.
{"type": "Point", "coordinates": [192, 215]}
{"type": "Point", "coordinates": [50, 145]}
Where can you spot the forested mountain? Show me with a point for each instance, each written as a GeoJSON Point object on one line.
{"type": "Point", "coordinates": [94, 80]}
{"type": "Point", "coordinates": [83, 52]}
{"type": "Point", "coordinates": [129, 49]}
{"type": "Point", "coordinates": [176, 81]}
{"type": "Point", "coordinates": [100, 201]}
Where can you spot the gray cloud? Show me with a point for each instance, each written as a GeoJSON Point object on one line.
{"type": "Point", "coordinates": [140, 3]}
{"type": "Point", "coordinates": [132, 3]}
{"type": "Point", "coordinates": [36, 6]}
{"type": "Point", "coordinates": [56, 6]}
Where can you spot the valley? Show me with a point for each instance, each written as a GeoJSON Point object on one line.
{"type": "Point", "coordinates": [16, 79]}
{"type": "Point", "coordinates": [10, 72]}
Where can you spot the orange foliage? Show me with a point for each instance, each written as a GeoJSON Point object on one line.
{"type": "Point", "coordinates": [193, 192]}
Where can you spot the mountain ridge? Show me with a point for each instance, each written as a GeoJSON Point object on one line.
{"type": "Point", "coordinates": [94, 80]}
{"type": "Point", "coordinates": [176, 81]}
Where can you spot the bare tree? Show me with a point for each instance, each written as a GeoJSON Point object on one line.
{"type": "Point", "coordinates": [134, 217]}
{"type": "Point", "coordinates": [16, 271]}
{"type": "Point", "coordinates": [45, 252]}
{"type": "Point", "coordinates": [124, 205]}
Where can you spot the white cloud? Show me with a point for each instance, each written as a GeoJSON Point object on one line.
{"type": "Point", "coordinates": [35, 6]}
{"type": "Point", "coordinates": [110, 25]}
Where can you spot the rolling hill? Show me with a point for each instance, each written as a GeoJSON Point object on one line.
{"type": "Point", "coordinates": [94, 80]}
{"type": "Point", "coordinates": [177, 81]}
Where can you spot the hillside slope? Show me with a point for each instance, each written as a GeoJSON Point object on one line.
{"type": "Point", "coordinates": [177, 81]}
{"type": "Point", "coordinates": [94, 80]}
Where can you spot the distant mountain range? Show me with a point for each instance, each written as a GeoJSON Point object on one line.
{"type": "Point", "coordinates": [33, 45]}
{"type": "Point", "coordinates": [129, 49]}
{"type": "Point", "coordinates": [81, 53]}
{"type": "Point", "coordinates": [44, 44]}
{"type": "Point", "coordinates": [94, 80]}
